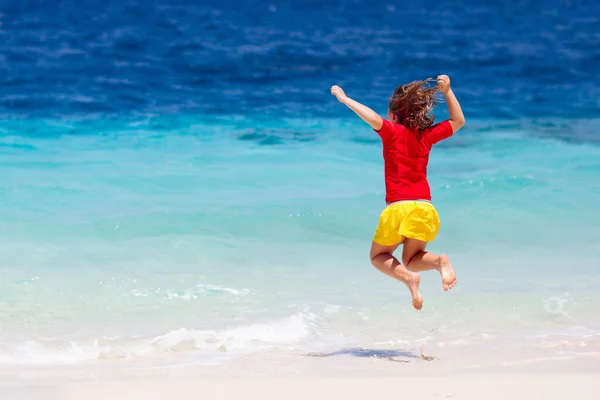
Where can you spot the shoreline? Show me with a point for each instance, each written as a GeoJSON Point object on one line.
{"type": "Point", "coordinates": [463, 387]}
{"type": "Point", "coordinates": [551, 379]}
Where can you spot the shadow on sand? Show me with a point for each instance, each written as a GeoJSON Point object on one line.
{"type": "Point", "coordinates": [391, 355]}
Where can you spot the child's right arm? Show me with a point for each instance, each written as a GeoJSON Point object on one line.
{"type": "Point", "coordinates": [457, 118]}
{"type": "Point", "coordinates": [367, 115]}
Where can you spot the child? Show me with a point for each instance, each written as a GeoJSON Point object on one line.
{"type": "Point", "coordinates": [410, 218]}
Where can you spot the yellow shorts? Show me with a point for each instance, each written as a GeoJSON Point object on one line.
{"type": "Point", "coordinates": [410, 219]}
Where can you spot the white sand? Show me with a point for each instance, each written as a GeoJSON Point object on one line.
{"type": "Point", "coordinates": [560, 379]}
{"type": "Point", "coordinates": [463, 387]}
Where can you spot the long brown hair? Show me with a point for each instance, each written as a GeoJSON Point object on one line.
{"type": "Point", "coordinates": [412, 103]}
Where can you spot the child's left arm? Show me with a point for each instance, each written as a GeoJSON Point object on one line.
{"type": "Point", "coordinates": [368, 115]}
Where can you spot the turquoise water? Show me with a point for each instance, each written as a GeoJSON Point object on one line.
{"type": "Point", "coordinates": [179, 188]}
{"type": "Point", "coordinates": [187, 240]}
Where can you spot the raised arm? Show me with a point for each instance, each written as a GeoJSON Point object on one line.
{"type": "Point", "coordinates": [457, 118]}
{"type": "Point", "coordinates": [368, 115]}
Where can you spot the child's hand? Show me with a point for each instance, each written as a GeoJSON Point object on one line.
{"type": "Point", "coordinates": [338, 92]}
{"type": "Point", "coordinates": [444, 83]}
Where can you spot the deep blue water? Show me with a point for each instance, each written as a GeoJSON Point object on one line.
{"type": "Point", "coordinates": [508, 59]}
{"type": "Point", "coordinates": [177, 180]}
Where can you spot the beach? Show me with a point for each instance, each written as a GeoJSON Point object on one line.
{"type": "Point", "coordinates": [551, 380]}
{"type": "Point", "coordinates": [186, 210]}
{"type": "Point", "coordinates": [517, 387]}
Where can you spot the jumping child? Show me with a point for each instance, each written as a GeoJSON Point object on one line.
{"type": "Point", "coordinates": [409, 219]}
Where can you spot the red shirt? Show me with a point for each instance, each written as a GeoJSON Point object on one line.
{"type": "Point", "coordinates": [406, 157]}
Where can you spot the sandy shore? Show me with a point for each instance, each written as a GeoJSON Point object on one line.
{"type": "Point", "coordinates": [463, 387]}
{"type": "Point", "coordinates": [558, 378]}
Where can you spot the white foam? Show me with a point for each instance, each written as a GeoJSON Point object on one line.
{"type": "Point", "coordinates": [196, 292]}
{"type": "Point", "coordinates": [208, 344]}
{"type": "Point", "coordinates": [554, 306]}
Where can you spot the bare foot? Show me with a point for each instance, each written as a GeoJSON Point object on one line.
{"type": "Point", "coordinates": [448, 275]}
{"type": "Point", "coordinates": [413, 286]}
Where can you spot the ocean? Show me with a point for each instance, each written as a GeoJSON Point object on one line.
{"type": "Point", "coordinates": [180, 190]}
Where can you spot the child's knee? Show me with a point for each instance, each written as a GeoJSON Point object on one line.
{"type": "Point", "coordinates": [372, 259]}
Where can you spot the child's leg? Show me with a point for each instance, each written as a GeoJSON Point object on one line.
{"type": "Point", "coordinates": [383, 260]}
{"type": "Point", "coordinates": [417, 259]}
